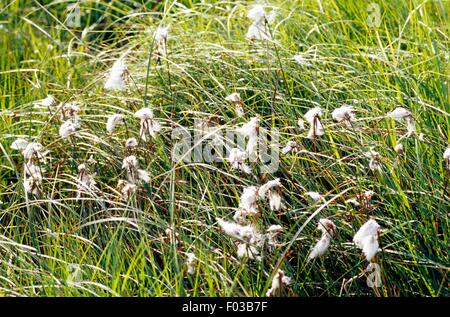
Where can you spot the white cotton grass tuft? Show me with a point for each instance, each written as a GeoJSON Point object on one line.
{"type": "Point", "coordinates": [400, 113]}
{"type": "Point", "coordinates": [291, 146]}
{"type": "Point", "coordinates": [328, 229]}
{"type": "Point", "coordinates": [248, 204]}
{"type": "Point", "coordinates": [32, 184]}
{"type": "Point", "coordinates": [148, 124]}
{"type": "Point", "coordinates": [367, 239]}
{"type": "Point", "coordinates": [131, 143]}
{"type": "Point", "coordinates": [85, 181]}
{"type": "Point", "coordinates": [247, 234]}
{"type": "Point", "coordinates": [46, 102]}
{"type": "Point", "coordinates": [131, 165]}
{"type": "Point", "coordinates": [315, 196]}
{"type": "Point", "coordinates": [250, 252]}
{"type": "Point", "coordinates": [34, 151]}
{"type": "Point", "coordinates": [236, 99]}
{"type": "Point", "coordinates": [301, 124]}
{"type": "Point", "coordinates": [398, 148]}
{"type": "Point", "coordinates": [258, 30]}
{"type": "Point", "coordinates": [160, 36]}
{"type": "Point", "coordinates": [190, 263]}
{"type": "Point", "coordinates": [237, 160]}
{"type": "Point", "coordinates": [375, 160]}
{"type": "Point", "coordinates": [315, 125]}
{"type": "Point", "coordinates": [127, 189]}
{"type": "Point", "coordinates": [344, 113]}
{"type": "Point", "coordinates": [69, 128]}
{"type": "Point", "coordinates": [279, 282]}
{"type": "Point", "coordinates": [271, 190]}
{"type": "Point", "coordinates": [69, 110]}
{"type": "Point", "coordinates": [251, 131]}
{"type": "Point", "coordinates": [272, 234]}
{"type": "Point", "coordinates": [113, 121]}
{"type": "Point", "coordinates": [116, 78]}
{"type": "Point", "coordinates": [19, 144]}
{"type": "Point", "coordinates": [446, 157]}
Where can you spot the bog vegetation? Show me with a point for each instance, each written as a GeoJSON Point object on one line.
{"type": "Point", "coordinates": [94, 204]}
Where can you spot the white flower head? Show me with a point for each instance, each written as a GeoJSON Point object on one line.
{"type": "Point", "coordinates": [237, 160]}
{"type": "Point", "coordinates": [248, 251]}
{"type": "Point", "coordinates": [85, 181]}
{"type": "Point", "coordinates": [19, 144]}
{"type": "Point", "coordinates": [315, 196]}
{"type": "Point", "coordinates": [68, 128]}
{"type": "Point", "coordinates": [375, 160]}
{"type": "Point", "coordinates": [148, 124]}
{"type": "Point", "coordinates": [247, 234]}
{"type": "Point", "coordinates": [344, 113]}
{"type": "Point", "coordinates": [46, 102]}
{"type": "Point", "coordinates": [320, 248]}
{"type": "Point", "coordinates": [116, 79]}
{"type": "Point", "coordinates": [291, 146]}
{"type": "Point", "coordinates": [131, 165]}
{"type": "Point", "coordinates": [190, 262]}
{"type": "Point", "coordinates": [398, 148]}
{"type": "Point", "coordinates": [257, 13]}
{"type": "Point", "coordinates": [248, 200]}
{"type": "Point", "coordinates": [127, 189]}
{"type": "Point", "coordinates": [235, 97]}
{"type": "Point", "coordinates": [113, 121]}
{"type": "Point", "coordinates": [367, 238]}
{"type": "Point", "coordinates": [161, 34]}
{"type": "Point", "coordinates": [328, 229]}
{"type": "Point", "coordinates": [34, 150]}
{"type": "Point", "coordinates": [144, 113]}
{"type": "Point", "coordinates": [315, 125]}
{"type": "Point", "coordinates": [399, 113]}
{"type": "Point", "coordinates": [131, 142]}
{"type": "Point", "coordinates": [32, 184]}
{"type": "Point", "coordinates": [275, 183]}
{"type": "Point", "coordinates": [301, 124]}
{"type": "Point", "coordinates": [279, 282]}
{"type": "Point", "coordinates": [446, 157]}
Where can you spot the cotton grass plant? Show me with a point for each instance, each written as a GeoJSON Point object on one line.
{"type": "Point", "coordinates": [92, 203]}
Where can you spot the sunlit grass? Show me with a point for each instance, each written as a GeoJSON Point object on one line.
{"type": "Point", "coordinates": [101, 245]}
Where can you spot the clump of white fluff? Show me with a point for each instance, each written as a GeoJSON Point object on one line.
{"type": "Point", "coordinates": [271, 190]}
{"type": "Point", "coordinates": [116, 78]}
{"type": "Point", "coordinates": [400, 113]}
{"type": "Point", "coordinates": [367, 239]}
{"type": "Point", "coordinates": [258, 29]}
{"type": "Point", "coordinates": [279, 282]}
{"type": "Point", "coordinates": [250, 130]}
{"type": "Point", "coordinates": [344, 113]}
{"type": "Point", "coordinates": [113, 121]}
{"type": "Point", "coordinates": [237, 160]}
{"type": "Point", "coordinates": [248, 204]}
{"type": "Point", "coordinates": [148, 124]}
{"type": "Point", "coordinates": [446, 157]}
{"type": "Point", "coordinates": [131, 165]}
{"type": "Point", "coordinates": [315, 125]}
{"type": "Point", "coordinates": [328, 229]}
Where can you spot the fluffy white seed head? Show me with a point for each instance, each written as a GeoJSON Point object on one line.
{"type": "Point", "coordinates": [235, 97]}
{"type": "Point", "coordinates": [399, 113]}
{"type": "Point", "coordinates": [344, 113]}
{"type": "Point", "coordinates": [113, 121]}
{"type": "Point", "coordinates": [279, 282]}
{"type": "Point", "coordinates": [315, 196]}
{"type": "Point", "coordinates": [116, 78]}
{"type": "Point", "coordinates": [19, 144]}
{"type": "Point", "coordinates": [144, 113]}
{"type": "Point", "coordinates": [370, 228]}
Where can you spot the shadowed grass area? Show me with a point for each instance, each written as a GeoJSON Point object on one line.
{"type": "Point", "coordinates": [100, 244]}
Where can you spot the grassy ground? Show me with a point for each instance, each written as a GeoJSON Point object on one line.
{"type": "Point", "coordinates": [101, 245]}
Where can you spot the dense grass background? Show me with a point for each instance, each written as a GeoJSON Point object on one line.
{"type": "Point", "coordinates": [102, 246]}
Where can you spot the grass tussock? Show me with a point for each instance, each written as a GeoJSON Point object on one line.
{"type": "Point", "coordinates": [89, 211]}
